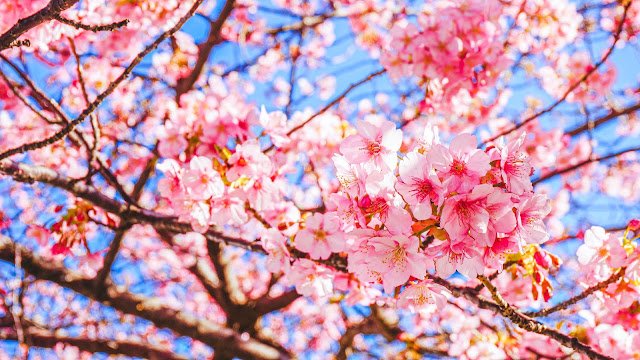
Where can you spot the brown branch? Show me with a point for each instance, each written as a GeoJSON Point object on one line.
{"type": "Point", "coordinates": [55, 7]}
{"type": "Point", "coordinates": [529, 324]}
{"type": "Point", "coordinates": [612, 115]}
{"type": "Point", "coordinates": [110, 257]}
{"type": "Point", "coordinates": [48, 339]}
{"type": "Point", "coordinates": [95, 124]}
{"type": "Point", "coordinates": [112, 86]}
{"type": "Point", "coordinates": [94, 28]}
{"type": "Point", "coordinates": [574, 85]}
{"type": "Point", "coordinates": [330, 105]}
{"type": "Point", "coordinates": [565, 304]}
{"type": "Point", "coordinates": [76, 137]}
{"type": "Point", "coordinates": [186, 83]}
{"type": "Point", "coordinates": [267, 304]}
{"type": "Point", "coordinates": [220, 338]}
{"type": "Point", "coordinates": [581, 164]}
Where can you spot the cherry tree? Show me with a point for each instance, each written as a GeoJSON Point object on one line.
{"type": "Point", "coordinates": [324, 180]}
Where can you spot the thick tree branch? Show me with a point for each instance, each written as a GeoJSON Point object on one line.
{"type": "Point", "coordinates": [213, 39]}
{"type": "Point", "coordinates": [220, 338]}
{"type": "Point", "coordinates": [43, 338]}
{"type": "Point", "coordinates": [529, 324]}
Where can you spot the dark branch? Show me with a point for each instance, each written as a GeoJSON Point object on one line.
{"type": "Point", "coordinates": [94, 28]}
{"type": "Point", "coordinates": [54, 8]}
{"type": "Point", "coordinates": [112, 86]}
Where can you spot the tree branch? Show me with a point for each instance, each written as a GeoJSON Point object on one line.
{"type": "Point", "coordinates": [529, 324]}
{"type": "Point", "coordinates": [55, 7]}
{"type": "Point", "coordinates": [220, 338]}
{"type": "Point", "coordinates": [112, 86]}
{"type": "Point", "coordinates": [94, 28]}
{"type": "Point", "coordinates": [213, 39]}
{"type": "Point", "coordinates": [43, 338]}
{"type": "Point", "coordinates": [612, 115]}
{"type": "Point", "coordinates": [583, 163]}
{"type": "Point", "coordinates": [574, 85]}
{"type": "Point", "coordinates": [565, 304]}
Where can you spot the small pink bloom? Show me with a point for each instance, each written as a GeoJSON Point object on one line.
{"type": "Point", "coordinates": [275, 125]}
{"type": "Point", "coordinates": [530, 213]}
{"type": "Point", "coordinates": [249, 161]}
{"type": "Point", "coordinates": [396, 258]}
{"type": "Point", "coordinates": [275, 244]}
{"type": "Point", "coordinates": [377, 144]}
{"type": "Point", "coordinates": [464, 213]}
{"type": "Point", "coordinates": [516, 169]}
{"type": "Point", "coordinates": [320, 237]}
{"type": "Point", "coordinates": [311, 279]}
{"type": "Point", "coordinates": [419, 185]}
{"type": "Point", "coordinates": [202, 181]}
{"type": "Point", "coordinates": [461, 165]}
{"type": "Point", "coordinates": [423, 294]}
{"type": "Point", "coordinates": [39, 233]}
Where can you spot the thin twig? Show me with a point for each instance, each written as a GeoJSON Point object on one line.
{"type": "Point", "coordinates": [565, 304]}
{"type": "Point", "coordinates": [94, 28]}
{"type": "Point", "coordinates": [574, 85]}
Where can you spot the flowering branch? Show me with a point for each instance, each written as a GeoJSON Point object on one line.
{"type": "Point", "coordinates": [222, 339]}
{"type": "Point", "coordinates": [54, 8]}
{"type": "Point", "coordinates": [100, 98]}
{"type": "Point", "coordinates": [565, 304]}
{"type": "Point", "coordinates": [574, 85]}
{"type": "Point", "coordinates": [44, 338]}
{"type": "Point", "coordinates": [529, 324]}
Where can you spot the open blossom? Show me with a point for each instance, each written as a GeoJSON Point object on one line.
{"type": "Point", "coordinates": [516, 169]}
{"type": "Point", "coordinates": [464, 213]}
{"type": "Point", "coordinates": [530, 213]}
{"type": "Point", "coordinates": [462, 164]}
{"type": "Point", "coordinates": [422, 294]}
{"type": "Point", "coordinates": [275, 125]}
{"type": "Point", "coordinates": [229, 209]}
{"type": "Point", "coordinates": [376, 143]}
{"type": "Point", "coordinates": [249, 161]}
{"type": "Point", "coordinates": [601, 252]}
{"type": "Point", "coordinates": [171, 184]}
{"type": "Point", "coordinates": [460, 256]}
{"type": "Point", "coordinates": [311, 279]}
{"type": "Point", "coordinates": [396, 258]}
{"type": "Point", "coordinates": [419, 185]}
{"type": "Point", "coordinates": [320, 237]}
{"type": "Point", "coordinates": [274, 243]}
{"type": "Point", "coordinates": [202, 180]}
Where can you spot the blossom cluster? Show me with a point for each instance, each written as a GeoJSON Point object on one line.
{"type": "Point", "coordinates": [466, 54]}
{"type": "Point", "coordinates": [453, 207]}
{"type": "Point", "coordinates": [458, 207]}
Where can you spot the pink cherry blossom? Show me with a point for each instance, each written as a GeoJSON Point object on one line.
{"type": "Point", "coordinates": [422, 294]}
{"type": "Point", "coordinates": [419, 185]}
{"type": "Point", "coordinates": [461, 165]}
{"type": "Point", "coordinates": [320, 237]}
{"type": "Point", "coordinates": [202, 180]}
{"type": "Point", "coordinates": [376, 143]}
{"type": "Point", "coordinates": [515, 166]}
